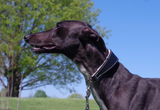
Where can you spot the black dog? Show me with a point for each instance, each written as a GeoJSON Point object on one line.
{"type": "Point", "coordinates": [112, 85]}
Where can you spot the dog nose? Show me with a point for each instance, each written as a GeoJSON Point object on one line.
{"type": "Point", "coordinates": [26, 37]}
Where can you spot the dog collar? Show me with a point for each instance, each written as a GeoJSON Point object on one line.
{"type": "Point", "coordinates": [107, 65]}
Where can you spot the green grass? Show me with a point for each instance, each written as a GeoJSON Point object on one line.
{"type": "Point", "coordinates": [50, 104]}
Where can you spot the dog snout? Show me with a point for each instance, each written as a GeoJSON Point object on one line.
{"type": "Point", "coordinates": [26, 37]}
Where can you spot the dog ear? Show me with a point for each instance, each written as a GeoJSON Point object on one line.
{"type": "Point", "coordinates": [88, 33]}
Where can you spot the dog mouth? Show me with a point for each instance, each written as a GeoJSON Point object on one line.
{"type": "Point", "coordinates": [40, 48]}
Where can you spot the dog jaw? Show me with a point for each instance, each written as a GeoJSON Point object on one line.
{"type": "Point", "coordinates": [80, 47]}
{"type": "Point", "coordinates": [38, 49]}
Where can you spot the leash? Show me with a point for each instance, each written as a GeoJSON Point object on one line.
{"type": "Point", "coordinates": [107, 65]}
{"type": "Point", "coordinates": [87, 97]}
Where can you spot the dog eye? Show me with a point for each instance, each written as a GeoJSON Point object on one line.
{"type": "Point", "coordinates": [58, 25]}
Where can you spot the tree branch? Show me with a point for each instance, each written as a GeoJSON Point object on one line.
{"type": "Point", "coordinates": [3, 83]}
{"type": "Point", "coordinates": [36, 86]}
{"type": "Point", "coordinates": [32, 69]}
{"type": "Point", "coordinates": [33, 81]}
{"type": "Point", "coordinates": [33, 26]}
{"type": "Point", "coordinates": [3, 63]}
{"type": "Point", "coordinates": [30, 83]}
{"type": "Point", "coordinates": [39, 60]}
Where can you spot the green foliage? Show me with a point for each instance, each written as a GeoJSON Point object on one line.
{"type": "Point", "coordinates": [21, 17]}
{"type": "Point", "coordinates": [40, 93]}
{"type": "Point", "coordinates": [76, 96]}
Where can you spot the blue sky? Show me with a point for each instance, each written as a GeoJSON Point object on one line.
{"type": "Point", "coordinates": [135, 29]}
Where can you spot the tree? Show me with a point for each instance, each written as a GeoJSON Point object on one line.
{"type": "Point", "coordinates": [40, 93]}
{"type": "Point", "coordinates": [21, 17]}
{"type": "Point", "coordinates": [75, 95]}
{"type": "Point", "coordinates": [2, 92]}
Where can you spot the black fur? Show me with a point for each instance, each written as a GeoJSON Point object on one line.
{"type": "Point", "coordinates": [119, 90]}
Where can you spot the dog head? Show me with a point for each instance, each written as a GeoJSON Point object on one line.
{"type": "Point", "coordinates": [66, 36]}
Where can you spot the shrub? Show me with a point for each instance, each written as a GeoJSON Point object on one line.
{"type": "Point", "coordinates": [75, 95]}
{"type": "Point", "coordinates": [40, 93]}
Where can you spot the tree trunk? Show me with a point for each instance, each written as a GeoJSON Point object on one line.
{"type": "Point", "coordinates": [13, 85]}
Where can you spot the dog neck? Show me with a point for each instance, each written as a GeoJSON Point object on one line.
{"type": "Point", "coordinates": [88, 58]}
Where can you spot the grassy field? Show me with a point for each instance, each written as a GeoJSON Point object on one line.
{"type": "Point", "coordinates": [50, 104]}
